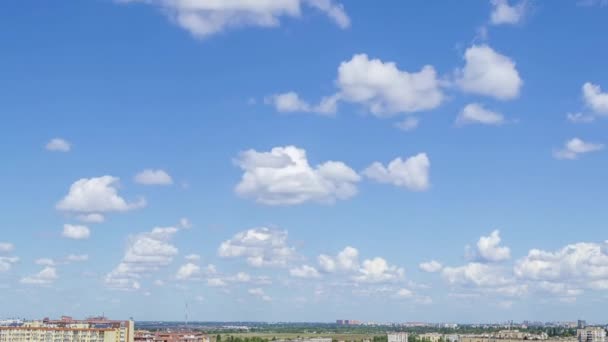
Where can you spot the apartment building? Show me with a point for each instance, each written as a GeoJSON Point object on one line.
{"type": "Point", "coordinates": [591, 334]}
{"type": "Point", "coordinates": [66, 329]}
{"type": "Point", "coordinates": [397, 337]}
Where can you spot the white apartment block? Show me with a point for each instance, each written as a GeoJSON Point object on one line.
{"type": "Point", "coordinates": [397, 337]}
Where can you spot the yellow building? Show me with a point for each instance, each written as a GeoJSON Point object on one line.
{"type": "Point", "coordinates": [98, 329]}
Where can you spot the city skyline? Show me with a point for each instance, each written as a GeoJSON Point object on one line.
{"type": "Point", "coordinates": [304, 160]}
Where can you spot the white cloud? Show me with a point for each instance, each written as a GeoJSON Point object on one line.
{"type": "Point", "coordinates": [153, 177]}
{"type": "Point", "coordinates": [430, 266]}
{"type": "Point", "coordinates": [145, 253]}
{"type": "Point", "coordinates": [259, 293]}
{"type": "Point", "coordinates": [188, 271]}
{"type": "Point", "coordinates": [579, 262]}
{"type": "Point", "coordinates": [203, 18]}
{"type": "Point", "coordinates": [6, 263]}
{"type": "Point", "coordinates": [487, 72]}
{"type": "Point", "coordinates": [76, 232]}
{"type": "Point", "coordinates": [408, 124]}
{"type": "Point", "coordinates": [91, 218]}
{"type": "Point", "coordinates": [6, 247]}
{"type": "Point", "coordinates": [595, 98]}
{"type": "Point", "coordinates": [291, 102]}
{"type": "Point", "coordinates": [381, 87]}
{"type": "Point", "coordinates": [489, 249]}
{"type": "Point", "coordinates": [477, 274]}
{"type": "Point", "coordinates": [58, 145]}
{"type": "Point", "coordinates": [503, 13]}
{"type": "Point", "coordinates": [96, 195]}
{"type": "Point", "coordinates": [260, 247]}
{"type": "Point", "coordinates": [475, 113]}
{"type": "Point", "coordinates": [580, 118]}
{"type": "Point", "coordinates": [304, 271]}
{"type": "Point", "coordinates": [377, 270]}
{"type": "Point", "coordinates": [77, 257]}
{"type": "Point", "coordinates": [346, 261]}
{"type": "Point", "coordinates": [283, 176]}
{"type": "Point", "coordinates": [45, 262]}
{"type": "Point", "coordinates": [288, 102]}
{"type": "Point", "coordinates": [575, 147]}
{"type": "Point", "coordinates": [384, 89]}
{"type": "Point", "coordinates": [46, 276]}
{"type": "Point", "coordinates": [185, 223]}
{"type": "Point", "coordinates": [412, 173]}
{"type": "Point", "coordinates": [192, 257]}
{"type": "Point", "coordinates": [404, 293]}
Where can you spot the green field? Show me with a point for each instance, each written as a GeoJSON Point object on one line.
{"type": "Point", "coordinates": [291, 336]}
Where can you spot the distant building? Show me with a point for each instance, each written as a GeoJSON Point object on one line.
{"type": "Point", "coordinates": [591, 334]}
{"type": "Point", "coordinates": [431, 337]}
{"type": "Point", "coordinates": [397, 337]}
{"type": "Point", "coordinates": [582, 324]}
{"type": "Point", "coordinates": [348, 322]}
{"type": "Point", "coordinates": [95, 329]}
{"type": "Point", "coordinates": [171, 336]}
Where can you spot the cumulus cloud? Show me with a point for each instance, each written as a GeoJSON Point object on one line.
{"type": "Point", "coordinates": [46, 276]}
{"type": "Point", "coordinates": [475, 113]}
{"type": "Point", "coordinates": [188, 271]}
{"type": "Point", "coordinates": [476, 274]}
{"type": "Point", "coordinates": [76, 232]}
{"type": "Point", "coordinates": [58, 145]}
{"type": "Point", "coordinates": [96, 195]}
{"type": "Point", "coordinates": [404, 293]}
{"type": "Point", "coordinates": [487, 72]}
{"type": "Point", "coordinates": [153, 177]}
{"type": "Point", "coordinates": [430, 266]}
{"type": "Point", "coordinates": [489, 249]}
{"type": "Point", "coordinates": [580, 262]}
{"type": "Point", "coordinates": [259, 293]}
{"type": "Point", "coordinates": [304, 271]}
{"type": "Point", "coordinates": [380, 87]}
{"type": "Point", "coordinates": [503, 13]}
{"type": "Point", "coordinates": [291, 102]}
{"type": "Point", "coordinates": [260, 247]}
{"type": "Point", "coordinates": [573, 148]}
{"type": "Point", "coordinates": [347, 260]}
{"type": "Point", "coordinates": [411, 173]}
{"type": "Point", "coordinates": [595, 98]}
{"type": "Point", "coordinates": [203, 18]}
{"type": "Point", "coordinates": [284, 176]}
{"type": "Point", "coordinates": [6, 247]}
{"type": "Point", "coordinates": [384, 89]}
{"type": "Point", "coordinates": [145, 253]}
{"type": "Point", "coordinates": [6, 263]}
{"type": "Point", "coordinates": [378, 270]}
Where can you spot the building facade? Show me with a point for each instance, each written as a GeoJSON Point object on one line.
{"type": "Point", "coordinates": [397, 337]}
{"type": "Point", "coordinates": [591, 334]}
{"type": "Point", "coordinates": [97, 329]}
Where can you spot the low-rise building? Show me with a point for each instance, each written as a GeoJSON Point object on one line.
{"type": "Point", "coordinates": [171, 336]}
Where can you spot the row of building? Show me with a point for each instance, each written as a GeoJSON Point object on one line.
{"type": "Point", "coordinates": [66, 329]}
{"type": "Point", "coordinates": [584, 334]}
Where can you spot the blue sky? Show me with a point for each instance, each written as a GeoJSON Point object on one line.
{"type": "Point", "coordinates": [304, 160]}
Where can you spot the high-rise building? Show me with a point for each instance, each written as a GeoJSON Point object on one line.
{"type": "Point", "coordinates": [397, 337]}
{"type": "Point", "coordinates": [591, 334]}
{"type": "Point", "coordinates": [95, 329]}
{"type": "Point", "coordinates": [582, 324]}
